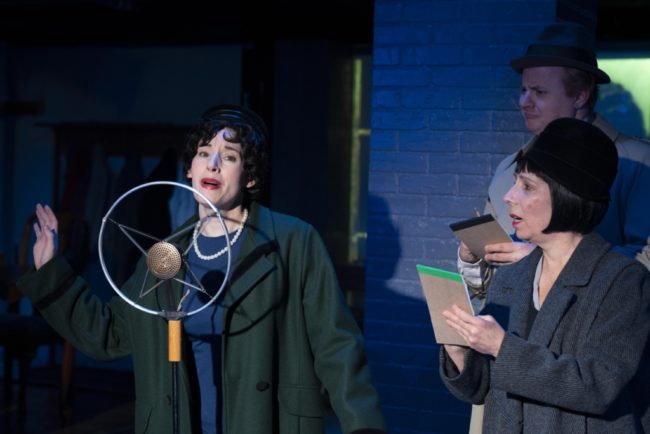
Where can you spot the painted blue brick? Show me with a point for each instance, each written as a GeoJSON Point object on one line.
{"type": "Point", "coordinates": [401, 34]}
{"type": "Point", "coordinates": [441, 97]}
{"type": "Point", "coordinates": [428, 184]}
{"type": "Point", "coordinates": [413, 421]}
{"type": "Point", "coordinates": [442, 248]}
{"type": "Point", "coordinates": [383, 140]}
{"type": "Point", "coordinates": [504, 34]}
{"type": "Point", "coordinates": [409, 377]}
{"type": "Point", "coordinates": [381, 226]}
{"type": "Point", "coordinates": [505, 76]}
{"type": "Point", "coordinates": [508, 121]}
{"type": "Point", "coordinates": [386, 247]}
{"type": "Point", "coordinates": [403, 333]}
{"type": "Point", "coordinates": [490, 99]}
{"type": "Point", "coordinates": [489, 55]}
{"type": "Point", "coordinates": [379, 205]}
{"type": "Point", "coordinates": [448, 33]}
{"type": "Point", "coordinates": [403, 311]}
{"type": "Point", "coordinates": [404, 204]}
{"type": "Point", "coordinates": [476, 164]}
{"type": "Point", "coordinates": [382, 182]}
{"type": "Point", "coordinates": [440, 55]}
{"type": "Point", "coordinates": [399, 119]}
{"type": "Point", "coordinates": [403, 77]}
{"type": "Point", "coordinates": [398, 162]}
{"type": "Point", "coordinates": [387, 11]}
{"type": "Point", "coordinates": [478, 76]}
{"type": "Point", "coordinates": [415, 226]}
{"type": "Point", "coordinates": [511, 11]}
{"type": "Point", "coordinates": [474, 184]}
{"type": "Point", "coordinates": [381, 287]}
{"type": "Point", "coordinates": [463, 117]}
{"type": "Point", "coordinates": [492, 142]}
{"type": "Point", "coordinates": [383, 56]}
{"type": "Point", "coordinates": [436, 399]}
{"type": "Point", "coordinates": [429, 141]}
{"type": "Point", "coordinates": [453, 207]}
{"type": "Point", "coordinates": [386, 99]}
{"type": "Point", "coordinates": [432, 11]}
{"type": "Point", "coordinates": [444, 264]}
{"type": "Point", "coordinates": [459, 120]}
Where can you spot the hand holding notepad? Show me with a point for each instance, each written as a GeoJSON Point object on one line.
{"type": "Point", "coordinates": [478, 232]}
{"type": "Point", "coordinates": [443, 289]}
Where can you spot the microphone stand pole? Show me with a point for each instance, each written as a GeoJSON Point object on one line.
{"type": "Point", "coordinates": [174, 339]}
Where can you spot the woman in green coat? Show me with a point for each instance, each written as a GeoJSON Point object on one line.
{"type": "Point", "coordinates": [270, 352]}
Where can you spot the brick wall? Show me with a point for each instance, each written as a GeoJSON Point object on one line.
{"type": "Point", "coordinates": [444, 114]}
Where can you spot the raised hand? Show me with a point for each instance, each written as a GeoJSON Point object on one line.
{"type": "Point", "coordinates": [45, 229]}
{"type": "Point", "coordinates": [507, 253]}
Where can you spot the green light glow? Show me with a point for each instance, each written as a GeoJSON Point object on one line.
{"type": "Point", "coordinates": [633, 75]}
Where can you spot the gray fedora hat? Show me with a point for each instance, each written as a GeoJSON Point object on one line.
{"type": "Point", "coordinates": [562, 44]}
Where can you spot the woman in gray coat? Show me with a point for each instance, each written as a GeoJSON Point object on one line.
{"type": "Point", "coordinates": [561, 346]}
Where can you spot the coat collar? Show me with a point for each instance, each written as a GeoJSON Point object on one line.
{"type": "Point", "coordinates": [251, 263]}
{"type": "Point", "coordinates": [605, 127]}
{"type": "Point", "coordinates": [567, 288]}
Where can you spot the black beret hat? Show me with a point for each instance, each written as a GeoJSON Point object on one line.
{"type": "Point", "coordinates": [577, 155]}
{"type": "Point", "coordinates": [237, 115]}
{"type": "Point", "coordinates": [562, 44]}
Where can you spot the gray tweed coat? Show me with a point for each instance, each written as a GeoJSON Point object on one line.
{"type": "Point", "coordinates": [583, 365]}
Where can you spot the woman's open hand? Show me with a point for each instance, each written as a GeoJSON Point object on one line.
{"type": "Point", "coordinates": [481, 333]}
{"type": "Point", "coordinates": [45, 229]}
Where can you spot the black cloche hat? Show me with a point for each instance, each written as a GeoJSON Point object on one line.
{"type": "Point", "coordinates": [562, 44]}
{"type": "Point", "coordinates": [577, 155]}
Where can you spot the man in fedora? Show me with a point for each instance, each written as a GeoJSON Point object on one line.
{"type": "Point", "coordinates": [560, 78]}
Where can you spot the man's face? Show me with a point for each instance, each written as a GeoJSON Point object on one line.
{"type": "Point", "coordinates": [543, 97]}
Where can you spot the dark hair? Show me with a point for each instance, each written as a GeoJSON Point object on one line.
{"type": "Point", "coordinates": [576, 81]}
{"type": "Point", "coordinates": [249, 131]}
{"type": "Point", "coordinates": [570, 212]}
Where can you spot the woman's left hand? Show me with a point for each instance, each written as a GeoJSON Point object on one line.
{"type": "Point", "coordinates": [481, 333]}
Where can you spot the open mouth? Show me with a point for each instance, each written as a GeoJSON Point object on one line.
{"type": "Point", "coordinates": [515, 219]}
{"type": "Point", "coordinates": [210, 184]}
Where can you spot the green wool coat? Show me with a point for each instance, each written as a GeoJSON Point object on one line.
{"type": "Point", "coordinates": [288, 336]}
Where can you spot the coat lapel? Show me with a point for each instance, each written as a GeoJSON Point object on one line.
{"type": "Point", "coordinates": [567, 288]}
{"type": "Point", "coordinates": [522, 293]}
{"type": "Point", "coordinates": [252, 263]}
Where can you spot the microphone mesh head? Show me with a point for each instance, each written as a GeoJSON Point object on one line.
{"type": "Point", "coordinates": [163, 260]}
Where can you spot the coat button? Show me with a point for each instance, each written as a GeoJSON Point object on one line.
{"type": "Point", "coordinates": [168, 400]}
{"type": "Point", "coordinates": [262, 386]}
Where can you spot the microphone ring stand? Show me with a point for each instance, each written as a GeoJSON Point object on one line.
{"type": "Point", "coordinates": [164, 262]}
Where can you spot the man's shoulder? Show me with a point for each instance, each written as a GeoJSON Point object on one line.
{"type": "Point", "coordinates": [633, 148]}
{"type": "Point", "coordinates": [628, 147]}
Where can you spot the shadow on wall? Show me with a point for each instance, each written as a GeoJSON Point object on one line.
{"type": "Point", "coordinates": [617, 105]}
{"type": "Point", "coordinates": [399, 338]}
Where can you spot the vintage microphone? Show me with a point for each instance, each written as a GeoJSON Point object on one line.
{"type": "Point", "coordinates": [164, 262]}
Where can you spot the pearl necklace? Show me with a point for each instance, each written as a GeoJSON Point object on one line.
{"type": "Point", "coordinates": [233, 240]}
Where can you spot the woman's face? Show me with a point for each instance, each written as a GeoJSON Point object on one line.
{"type": "Point", "coordinates": [217, 171]}
{"type": "Point", "coordinates": [529, 204]}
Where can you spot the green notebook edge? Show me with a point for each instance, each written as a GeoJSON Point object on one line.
{"type": "Point", "coordinates": [437, 272]}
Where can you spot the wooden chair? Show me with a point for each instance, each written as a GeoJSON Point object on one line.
{"type": "Point", "coordinates": [22, 335]}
